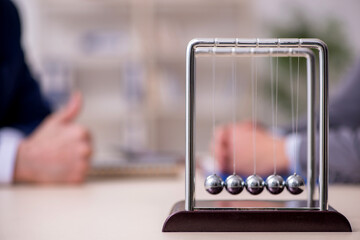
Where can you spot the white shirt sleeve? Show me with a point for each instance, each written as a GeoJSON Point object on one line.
{"type": "Point", "coordinates": [292, 149]}
{"type": "Point", "coordinates": [9, 142]}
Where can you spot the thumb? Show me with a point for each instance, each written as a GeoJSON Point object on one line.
{"type": "Point", "coordinates": [71, 109]}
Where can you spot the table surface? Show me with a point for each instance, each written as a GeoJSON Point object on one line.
{"type": "Point", "coordinates": [128, 209]}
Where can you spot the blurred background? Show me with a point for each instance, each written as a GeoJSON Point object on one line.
{"type": "Point", "coordinates": [128, 59]}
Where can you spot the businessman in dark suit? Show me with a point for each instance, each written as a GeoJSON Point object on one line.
{"type": "Point", "coordinates": [344, 140]}
{"type": "Point", "coordinates": [35, 145]}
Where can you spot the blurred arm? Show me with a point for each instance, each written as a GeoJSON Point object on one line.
{"type": "Point", "coordinates": [21, 103]}
{"type": "Point", "coordinates": [343, 105]}
{"type": "Point", "coordinates": [344, 155]}
{"type": "Point", "coordinates": [344, 108]}
{"type": "Point", "coordinates": [58, 151]}
{"type": "Point", "coordinates": [344, 133]}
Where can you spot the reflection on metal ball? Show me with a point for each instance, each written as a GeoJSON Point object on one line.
{"type": "Point", "coordinates": [234, 184]}
{"type": "Point", "coordinates": [254, 184]}
{"type": "Point", "coordinates": [295, 184]}
{"type": "Point", "coordinates": [275, 184]}
{"type": "Point", "coordinates": [214, 184]}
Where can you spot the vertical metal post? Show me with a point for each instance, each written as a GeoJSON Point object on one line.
{"type": "Point", "coordinates": [310, 63]}
{"type": "Point", "coordinates": [324, 127]}
{"type": "Point", "coordinates": [323, 118]}
{"type": "Point", "coordinates": [190, 129]}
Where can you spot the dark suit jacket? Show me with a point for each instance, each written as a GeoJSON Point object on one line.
{"type": "Point", "coordinates": [21, 103]}
{"type": "Point", "coordinates": [344, 131]}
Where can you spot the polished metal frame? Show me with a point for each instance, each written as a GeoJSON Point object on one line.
{"type": "Point", "coordinates": [265, 47]}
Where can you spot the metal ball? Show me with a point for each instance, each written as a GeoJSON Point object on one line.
{"type": "Point", "coordinates": [234, 184]}
{"type": "Point", "coordinates": [254, 184]}
{"type": "Point", "coordinates": [295, 184]}
{"type": "Point", "coordinates": [275, 184]}
{"type": "Point", "coordinates": [214, 184]}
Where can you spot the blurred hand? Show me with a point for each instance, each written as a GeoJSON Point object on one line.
{"type": "Point", "coordinates": [223, 147]}
{"type": "Point", "coordinates": [58, 151]}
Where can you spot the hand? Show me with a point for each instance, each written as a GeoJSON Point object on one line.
{"type": "Point", "coordinates": [58, 151]}
{"type": "Point", "coordinates": [244, 154]}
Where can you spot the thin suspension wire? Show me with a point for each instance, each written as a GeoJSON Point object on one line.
{"type": "Point", "coordinates": [292, 95]}
{"type": "Point", "coordinates": [254, 106]}
{"type": "Point", "coordinates": [234, 112]}
{"type": "Point", "coordinates": [272, 109]}
{"type": "Point", "coordinates": [297, 115]}
{"type": "Point", "coordinates": [292, 105]}
{"type": "Point", "coordinates": [276, 109]}
{"type": "Point", "coordinates": [213, 107]}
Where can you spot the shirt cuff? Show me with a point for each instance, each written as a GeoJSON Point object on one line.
{"type": "Point", "coordinates": [10, 139]}
{"type": "Point", "coordinates": [292, 150]}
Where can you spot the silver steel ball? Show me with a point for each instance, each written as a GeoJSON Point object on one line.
{"type": "Point", "coordinates": [275, 184]}
{"type": "Point", "coordinates": [234, 184]}
{"type": "Point", "coordinates": [254, 184]}
{"type": "Point", "coordinates": [214, 184]}
{"type": "Point", "coordinates": [295, 184]}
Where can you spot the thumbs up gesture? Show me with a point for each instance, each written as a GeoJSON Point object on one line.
{"type": "Point", "coordinates": [58, 151]}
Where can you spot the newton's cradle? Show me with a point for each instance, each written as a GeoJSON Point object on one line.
{"type": "Point", "coordinates": [307, 215]}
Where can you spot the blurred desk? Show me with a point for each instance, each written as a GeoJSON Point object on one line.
{"type": "Point", "coordinates": [127, 209]}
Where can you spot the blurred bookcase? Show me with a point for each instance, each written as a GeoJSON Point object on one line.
{"type": "Point", "coordinates": [128, 59]}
